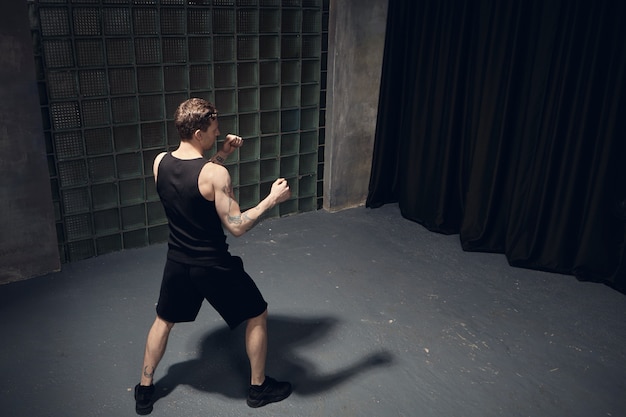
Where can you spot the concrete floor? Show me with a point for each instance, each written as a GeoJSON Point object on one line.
{"type": "Point", "coordinates": [371, 315]}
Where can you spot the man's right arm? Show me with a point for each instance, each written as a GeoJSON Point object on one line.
{"type": "Point", "coordinates": [236, 222]}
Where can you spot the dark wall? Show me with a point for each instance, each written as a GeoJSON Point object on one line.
{"type": "Point", "coordinates": [28, 243]}
{"type": "Point", "coordinates": [355, 53]}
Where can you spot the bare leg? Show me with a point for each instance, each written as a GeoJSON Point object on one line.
{"type": "Point", "coordinates": [155, 348]}
{"type": "Point", "coordinates": [256, 347]}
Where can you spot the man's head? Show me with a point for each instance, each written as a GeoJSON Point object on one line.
{"type": "Point", "coordinates": [193, 115]}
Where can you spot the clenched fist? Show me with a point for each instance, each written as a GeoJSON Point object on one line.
{"type": "Point", "coordinates": [231, 143]}
{"type": "Point", "coordinates": [280, 191]}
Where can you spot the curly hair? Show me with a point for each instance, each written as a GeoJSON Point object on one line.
{"type": "Point", "coordinates": [193, 114]}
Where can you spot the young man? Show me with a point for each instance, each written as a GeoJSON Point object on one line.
{"type": "Point", "coordinates": [199, 202]}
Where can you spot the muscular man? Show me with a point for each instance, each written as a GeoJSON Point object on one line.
{"type": "Point", "coordinates": [199, 203]}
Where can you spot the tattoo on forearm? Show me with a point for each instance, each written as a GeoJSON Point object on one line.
{"type": "Point", "coordinates": [234, 219]}
{"type": "Point", "coordinates": [253, 222]}
{"type": "Point", "coordinates": [238, 219]}
{"type": "Point", "coordinates": [249, 219]}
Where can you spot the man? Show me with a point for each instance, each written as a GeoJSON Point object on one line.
{"type": "Point", "coordinates": [199, 203]}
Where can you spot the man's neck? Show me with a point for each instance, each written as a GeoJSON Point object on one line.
{"type": "Point", "coordinates": [187, 150]}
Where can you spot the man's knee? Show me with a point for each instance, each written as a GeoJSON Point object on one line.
{"type": "Point", "coordinates": [163, 324]}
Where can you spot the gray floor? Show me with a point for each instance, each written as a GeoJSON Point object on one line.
{"type": "Point", "coordinates": [371, 315]}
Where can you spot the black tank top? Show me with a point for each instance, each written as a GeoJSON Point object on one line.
{"type": "Point", "coordinates": [196, 234]}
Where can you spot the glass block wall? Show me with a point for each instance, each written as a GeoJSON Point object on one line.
{"type": "Point", "coordinates": [111, 74]}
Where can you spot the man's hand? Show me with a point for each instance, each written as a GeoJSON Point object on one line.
{"type": "Point", "coordinates": [231, 143]}
{"type": "Point", "coordinates": [280, 191]}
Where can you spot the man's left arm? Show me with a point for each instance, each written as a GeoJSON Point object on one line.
{"type": "Point", "coordinates": [231, 143]}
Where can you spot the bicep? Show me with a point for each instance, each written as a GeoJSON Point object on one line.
{"type": "Point", "coordinates": [225, 203]}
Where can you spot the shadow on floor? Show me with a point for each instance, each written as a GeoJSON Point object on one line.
{"type": "Point", "coordinates": [222, 366]}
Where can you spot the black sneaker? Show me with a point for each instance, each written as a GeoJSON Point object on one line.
{"type": "Point", "coordinates": [143, 399]}
{"type": "Point", "coordinates": [270, 391]}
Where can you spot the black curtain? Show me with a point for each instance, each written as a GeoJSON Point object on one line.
{"type": "Point", "coordinates": [505, 122]}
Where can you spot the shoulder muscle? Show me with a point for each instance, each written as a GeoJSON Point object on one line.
{"type": "Point", "coordinates": [212, 178]}
{"type": "Point", "coordinates": [157, 161]}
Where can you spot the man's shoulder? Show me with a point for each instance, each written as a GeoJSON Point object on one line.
{"type": "Point", "coordinates": [157, 163]}
{"type": "Point", "coordinates": [214, 172]}
{"type": "Point", "coordinates": [159, 157]}
{"type": "Point", "coordinates": [212, 177]}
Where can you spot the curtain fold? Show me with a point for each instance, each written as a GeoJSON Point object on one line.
{"type": "Point", "coordinates": [505, 122]}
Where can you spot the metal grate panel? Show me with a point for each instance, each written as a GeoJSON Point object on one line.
{"type": "Point", "coordinates": [96, 112]}
{"type": "Point", "coordinates": [120, 52]}
{"type": "Point", "coordinates": [89, 52]}
{"type": "Point", "coordinates": [225, 75]}
{"type": "Point", "coordinates": [175, 78]}
{"type": "Point", "coordinates": [200, 77]}
{"type": "Point", "coordinates": [224, 48]}
{"type": "Point", "coordinates": [146, 21]}
{"type": "Point", "coordinates": [68, 145]}
{"type": "Point", "coordinates": [152, 135]}
{"type": "Point", "coordinates": [151, 108]}
{"type": "Point", "coordinates": [223, 20]}
{"type": "Point", "coordinates": [133, 217]}
{"type": "Point", "coordinates": [132, 191]}
{"type": "Point", "coordinates": [86, 21]}
{"type": "Point", "coordinates": [58, 53]}
{"type": "Point", "coordinates": [72, 173]}
{"type": "Point", "coordinates": [247, 48]}
{"type": "Point", "coordinates": [175, 50]}
{"type": "Point", "coordinates": [148, 50]}
{"type": "Point", "coordinates": [129, 165]}
{"type": "Point", "coordinates": [101, 169]}
{"type": "Point", "coordinates": [98, 141]}
{"type": "Point", "coordinates": [248, 100]}
{"type": "Point", "coordinates": [76, 200]}
{"type": "Point", "coordinates": [80, 250]}
{"type": "Point", "coordinates": [199, 21]}
{"type": "Point", "coordinates": [173, 21]}
{"type": "Point", "coordinates": [122, 81]}
{"type": "Point", "coordinates": [156, 213]}
{"type": "Point", "coordinates": [78, 227]}
{"type": "Point", "coordinates": [117, 21]}
{"type": "Point", "coordinates": [125, 110]}
{"type": "Point", "coordinates": [108, 244]}
{"type": "Point", "coordinates": [200, 49]}
{"type": "Point", "coordinates": [150, 79]}
{"type": "Point", "coordinates": [54, 21]}
{"type": "Point", "coordinates": [158, 234]}
{"type": "Point", "coordinates": [111, 74]}
{"type": "Point", "coordinates": [106, 221]}
{"type": "Point", "coordinates": [247, 21]}
{"type": "Point", "coordinates": [104, 196]}
{"type": "Point", "coordinates": [126, 138]}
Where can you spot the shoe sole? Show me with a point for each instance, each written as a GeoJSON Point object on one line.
{"type": "Point", "coordinates": [143, 411]}
{"type": "Point", "coordinates": [265, 401]}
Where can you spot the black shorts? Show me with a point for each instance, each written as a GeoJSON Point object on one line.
{"type": "Point", "coordinates": [227, 287]}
